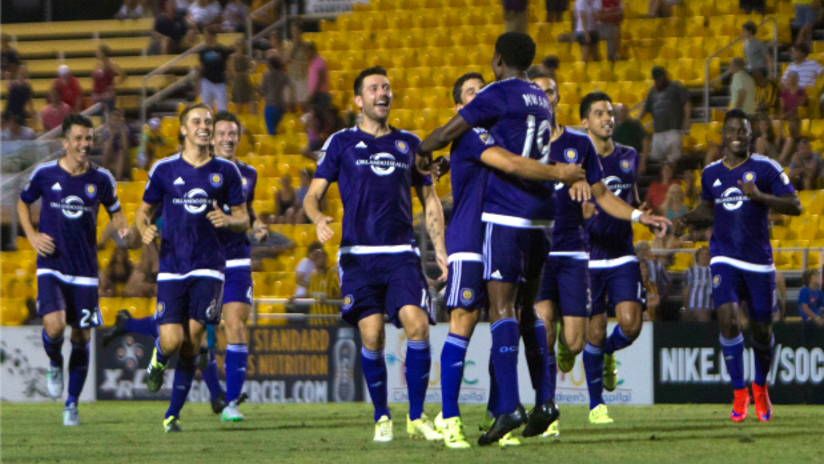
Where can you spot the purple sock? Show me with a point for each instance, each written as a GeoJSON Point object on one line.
{"type": "Point", "coordinates": [235, 367]}
{"type": "Point", "coordinates": [594, 369]}
{"type": "Point", "coordinates": [492, 404]}
{"type": "Point", "coordinates": [145, 326]}
{"type": "Point", "coordinates": [616, 341]}
{"type": "Point", "coordinates": [184, 374]}
{"type": "Point", "coordinates": [54, 349]}
{"type": "Point", "coordinates": [551, 376]}
{"type": "Point", "coordinates": [417, 367]}
{"type": "Point", "coordinates": [452, 367]}
{"type": "Point", "coordinates": [535, 344]}
{"type": "Point", "coordinates": [210, 377]}
{"type": "Point", "coordinates": [161, 358]}
{"type": "Point", "coordinates": [505, 342]}
{"type": "Point", "coordinates": [78, 368]}
{"type": "Point", "coordinates": [763, 359]}
{"type": "Point", "coordinates": [374, 371]}
{"type": "Point", "coordinates": [733, 349]}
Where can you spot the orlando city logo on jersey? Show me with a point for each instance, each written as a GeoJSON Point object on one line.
{"type": "Point", "coordinates": [348, 301]}
{"type": "Point", "coordinates": [467, 295]}
{"type": "Point", "coordinates": [571, 155]}
{"type": "Point", "coordinates": [626, 166]}
{"type": "Point", "coordinates": [749, 176]}
{"type": "Point", "coordinates": [216, 179]}
{"type": "Point", "coordinates": [91, 190]}
{"type": "Point", "coordinates": [402, 146]}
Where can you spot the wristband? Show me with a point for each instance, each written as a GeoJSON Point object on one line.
{"type": "Point", "coordinates": [636, 215]}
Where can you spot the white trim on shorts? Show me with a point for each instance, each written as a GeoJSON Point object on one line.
{"type": "Point", "coordinates": [582, 255]}
{"type": "Point", "coordinates": [465, 256]}
{"type": "Point", "coordinates": [238, 263]}
{"type": "Point", "coordinates": [211, 273]}
{"type": "Point", "coordinates": [737, 263]}
{"type": "Point", "coordinates": [68, 279]}
{"type": "Point", "coordinates": [373, 250]}
{"type": "Point", "coordinates": [513, 221]}
{"type": "Point", "coordinates": [456, 284]}
{"type": "Point", "coordinates": [611, 263]}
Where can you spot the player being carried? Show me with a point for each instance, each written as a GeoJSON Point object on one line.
{"type": "Point", "coordinates": [737, 193]}
{"type": "Point", "coordinates": [472, 158]}
{"type": "Point", "coordinates": [190, 186]}
{"type": "Point", "coordinates": [72, 190]}
{"type": "Point", "coordinates": [374, 166]}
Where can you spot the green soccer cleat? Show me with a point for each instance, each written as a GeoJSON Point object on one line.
{"type": "Point", "coordinates": [383, 430]}
{"type": "Point", "coordinates": [508, 440]}
{"type": "Point", "coordinates": [564, 357]}
{"type": "Point", "coordinates": [486, 422]}
{"type": "Point", "coordinates": [452, 431]}
{"type": "Point", "coordinates": [554, 430]}
{"type": "Point", "coordinates": [610, 372]}
{"type": "Point", "coordinates": [156, 372]}
{"type": "Point", "coordinates": [172, 424]}
{"type": "Point", "coordinates": [422, 428]}
{"type": "Point", "coordinates": [599, 415]}
{"type": "Point", "coordinates": [231, 413]}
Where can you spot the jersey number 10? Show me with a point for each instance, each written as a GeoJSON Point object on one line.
{"type": "Point", "coordinates": [542, 147]}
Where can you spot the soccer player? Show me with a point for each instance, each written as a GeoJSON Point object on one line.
{"type": "Point", "coordinates": [472, 158]}
{"type": "Point", "coordinates": [517, 114]}
{"type": "Point", "coordinates": [613, 268]}
{"type": "Point", "coordinates": [737, 193]}
{"type": "Point", "coordinates": [190, 186]}
{"type": "Point", "coordinates": [237, 288]}
{"type": "Point", "coordinates": [374, 166]}
{"type": "Point", "coordinates": [72, 189]}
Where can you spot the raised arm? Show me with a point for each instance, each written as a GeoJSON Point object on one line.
{"type": "Point", "coordinates": [433, 214]}
{"type": "Point", "coordinates": [785, 204]}
{"type": "Point", "coordinates": [619, 209]}
{"type": "Point", "coordinates": [527, 168]}
{"type": "Point", "coordinates": [704, 211]}
{"type": "Point", "coordinates": [444, 135]}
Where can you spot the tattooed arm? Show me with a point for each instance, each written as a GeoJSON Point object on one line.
{"type": "Point", "coordinates": [433, 214]}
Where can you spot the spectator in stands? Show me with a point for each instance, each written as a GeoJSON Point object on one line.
{"type": "Point", "coordinates": [117, 143]}
{"type": "Point", "coordinates": [670, 106]}
{"type": "Point", "coordinates": [631, 132]}
{"type": "Point", "coordinates": [285, 200]}
{"type": "Point", "coordinates": [585, 16]}
{"type": "Point", "coordinates": [171, 30]}
{"type": "Point", "coordinates": [317, 79]}
{"type": "Point", "coordinates": [793, 97]}
{"type": "Point", "coordinates": [806, 167]}
{"type": "Point", "coordinates": [234, 16]}
{"type": "Point", "coordinates": [150, 139]}
{"type": "Point", "coordinates": [181, 5]}
{"type": "Point", "coordinates": [297, 62]}
{"type": "Point", "coordinates": [240, 66]}
{"type": "Point", "coordinates": [811, 298]}
{"type": "Point", "coordinates": [18, 98]}
{"type": "Point", "coordinates": [204, 13]}
{"type": "Point", "coordinates": [143, 281]}
{"type": "Point", "coordinates": [766, 92]}
{"type": "Point", "coordinates": [806, 15]}
{"type": "Point", "coordinates": [752, 5]}
{"type": "Point", "coordinates": [808, 70]}
{"type": "Point", "coordinates": [516, 15]}
{"type": "Point", "coordinates": [52, 114]}
{"type": "Point", "coordinates": [610, 17]}
{"type": "Point", "coordinates": [653, 299]}
{"type": "Point", "coordinates": [104, 89]}
{"type": "Point", "coordinates": [755, 50]}
{"type": "Point", "coordinates": [766, 142]}
{"type": "Point", "coordinates": [116, 274]}
{"type": "Point", "coordinates": [324, 284]}
{"type": "Point", "coordinates": [304, 270]}
{"type": "Point", "coordinates": [658, 189]}
{"type": "Point", "coordinates": [661, 8]}
{"type": "Point", "coordinates": [131, 9]}
{"type": "Point", "coordinates": [789, 142]}
{"type": "Point", "coordinates": [673, 205]}
{"type": "Point", "coordinates": [275, 46]}
{"type": "Point", "coordinates": [555, 10]}
{"type": "Point", "coordinates": [272, 87]}
{"type": "Point", "coordinates": [320, 124]}
{"type": "Point", "coordinates": [16, 130]}
{"type": "Point", "coordinates": [213, 58]}
{"type": "Point", "coordinates": [696, 294]}
{"type": "Point", "coordinates": [658, 274]}
{"type": "Point", "coordinates": [9, 58]}
{"type": "Point", "coordinates": [742, 88]}
{"type": "Point", "coordinates": [69, 87]}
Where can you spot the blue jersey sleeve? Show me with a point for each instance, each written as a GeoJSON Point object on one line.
{"type": "Point", "coordinates": [778, 180]}
{"type": "Point", "coordinates": [329, 160]}
{"type": "Point", "coordinates": [486, 108]}
{"type": "Point", "coordinates": [108, 193]}
{"type": "Point", "coordinates": [592, 164]}
{"type": "Point", "coordinates": [474, 143]}
{"type": "Point", "coordinates": [234, 187]}
{"type": "Point", "coordinates": [153, 193]}
{"type": "Point", "coordinates": [34, 189]}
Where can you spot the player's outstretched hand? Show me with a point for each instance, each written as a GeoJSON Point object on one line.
{"type": "Point", "coordinates": [580, 191]}
{"type": "Point", "coordinates": [42, 244]}
{"type": "Point", "coordinates": [657, 224]}
{"type": "Point", "coordinates": [678, 225]}
{"type": "Point", "coordinates": [442, 260]}
{"type": "Point", "coordinates": [217, 216]}
{"type": "Point", "coordinates": [149, 233]}
{"type": "Point", "coordinates": [323, 230]}
{"type": "Point", "coordinates": [571, 173]}
{"type": "Point", "coordinates": [440, 167]}
{"type": "Point", "coordinates": [750, 190]}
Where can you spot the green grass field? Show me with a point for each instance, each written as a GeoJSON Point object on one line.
{"type": "Point", "coordinates": [130, 432]}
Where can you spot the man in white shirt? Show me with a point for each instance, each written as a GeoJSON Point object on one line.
{"type": "Point", "coordinates": [808, 70]}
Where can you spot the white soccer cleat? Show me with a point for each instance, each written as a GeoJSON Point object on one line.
{"type": "Point", "coordinates": [70, 416]}
{"type": "Point", "coordinates": [383, 429]}
{"type": "Point", "coordinates": [231, 413]}
{"type": "Point", "coordinates": [54, 381]}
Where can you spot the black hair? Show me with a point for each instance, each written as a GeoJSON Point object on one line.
{"type": "Point", "coordinates": [551, 62]}
{"type": "Point", "coordinates": [189, 108]}
{"type": "Point", "coordinates": [534, 72]}
{"type": "Point", "coordinates": [807, 277]}
{"type": "Point", "coordinates": [75, 120]}
{"type": "Point", "coordinates": [802, 47]}
{"type": "Point", "coordinates": [735, 114]}
{"type": "Point", "coordinates": [516, 49]}
{"type": "Point", "coordinates": [227, 116]}
{"type": "Point", "coordinates": [312, 247]}
{"type": "Point", "coordinates": [374, 70]}
{"type": "Point", "coordinates": [457, 89]}
{"type": "Point", "coordinates": [750, 26]}
{"type": "Point", "coordinates": [589, 100]}
{"type": "Point", "coordinates": [276, 63]}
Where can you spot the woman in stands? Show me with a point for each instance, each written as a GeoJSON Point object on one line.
{"type": "Point", "coordinates": [103, 79]}
{"type": "Point", "coordinates": [766, 141]}
{"type": "Point", "coordinates": [18, 99]}
{"type": "Point", "coordinates": [240, 66]}
{"type": "Point", "coordinates": [117, 273]}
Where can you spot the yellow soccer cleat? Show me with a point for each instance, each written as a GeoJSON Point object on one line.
{"type": "Point", "coordinates": [564, 357]}
{"type": "Point", "coordinates": [453, 432]}
{"type": "Point", "coordinates": [610, 372]}
{"type": "Point", "coordinates": [553, 430]}
{"type": "Point", "coordinates": [486, 423]}
{"type": "Point", "coordinates": [508, 440]}
{"type": "Point", "coordinates": [383, 429]}
{"type": "Point", "coordinates": [172, 424]}
{"type": "Point", "coordinates": [422, 428]}
{"type": "Point", "coordinates": [599, 415]}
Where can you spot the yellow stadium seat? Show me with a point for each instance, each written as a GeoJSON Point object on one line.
{"type": "Point", "coordinates": [682, 261]}
{"type": "Point", "coordinates": [13, 311]}
{"type": "Point", "coordinates": [696, 27]}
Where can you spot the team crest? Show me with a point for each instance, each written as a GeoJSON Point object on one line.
{"type": "Point", "coordinates": [626, 166]}
{"type": "Point", "coordinates": [749, 176]}
{"type": "Point", "coordinates": [402, 146]}
{"type": "Point", "coordinates": [216, 179]}
{"type": "Point", "coordinates": [716, 281]}
{"type": "Point", "coordinates": [487, 139]}
{"type": "Point", "coordinates": [467, 295]}
{"type": "Point", "coordinates": [348, 301]}
{"type": "Point", "coordinates": [160, 308]}
{"type": "Point", "coordinates": [571, 155]}
{"type": "Point", "coordinates": [91, 190]}
{"type": "Point", "coordinates": [245, 182]}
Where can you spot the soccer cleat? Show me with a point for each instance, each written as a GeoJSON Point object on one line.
{"type": "Point", "coordinates": [504, 424]}
{"type": "Point", "coordinates": [452, 431]}
{"type": "Point", "coordinates": [156, 371]}
{"type": "Point", "coordinates": [565, 358]}
{"type": "Point", "coordinates": [486, 422]}
{"type": "Point", "coordinates": [172, 424]}
{"type": "Point", "coordinates": [763, 407]}
{"type": "Point", "coordinates": [70, 416]}
{"type": "Point", "coordinates": [554, 430]}
{"type": "Point", "coordinates": [740, 404]}
{"type": "Point", "coordinates": [54, 381]}
{"type": "Point", "coordinates": [383, 429]}
{"type": "Point", "coordinates": [230, 413]}
{"type": "Point", "coordinates": [599, 415]}
{"type": "Point", "coordinates": [540, 418]}
{"type": "Point", "coordinates": [119, 328]}
{"type": "Point", "coordinates": [610, 372]}
{"type": "Point", "coordinates": [219, 403]}
{"type": "Point", "coordinates": [508, 440]}
{"type": "Point", "coordinates": [422, 428]}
